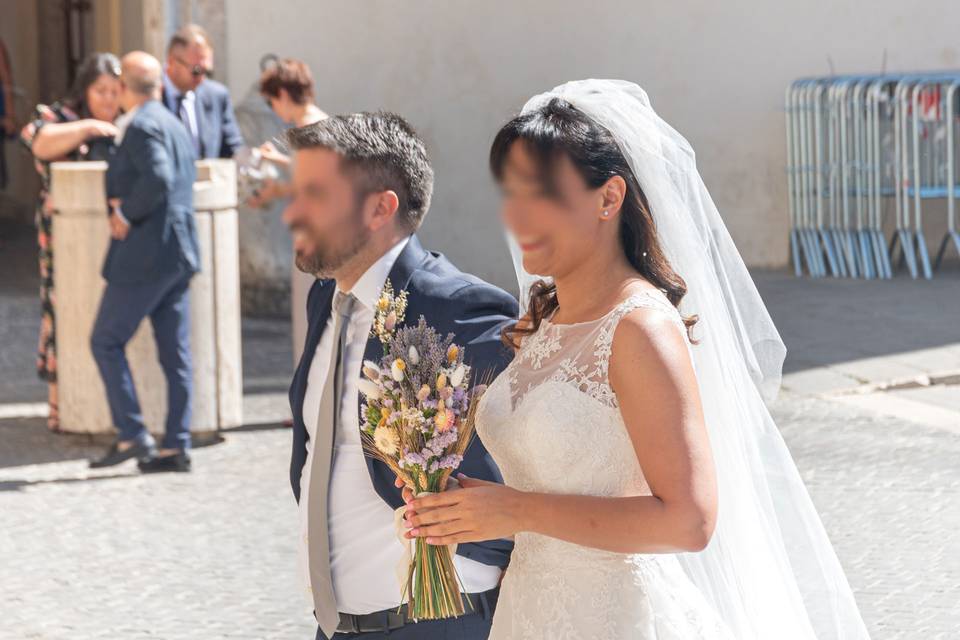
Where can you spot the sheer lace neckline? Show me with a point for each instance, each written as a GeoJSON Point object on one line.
{"type": "Point", "coordinates": [576, 354]}
{"type": "Point", "coordinates": [655, 294]}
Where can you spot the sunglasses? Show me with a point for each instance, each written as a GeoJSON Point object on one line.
{"type": "Point", "coordinates": [197, 70]}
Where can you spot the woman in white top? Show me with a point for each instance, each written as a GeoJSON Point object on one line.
{"type": "Point", "coordinates": [288, 88]}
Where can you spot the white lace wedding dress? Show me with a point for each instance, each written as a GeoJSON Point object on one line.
{"type": "Point", "coordinates": [552, 424]}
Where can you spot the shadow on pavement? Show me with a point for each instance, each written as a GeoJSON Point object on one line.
{"type": "Point", "coordinates": [17, 485]}
{"type": "Point", "coordinates": [27, 441]}
{"type": "Point", "coordinates": [264, 426]}
{"type": "Point", "coordinates": [827, 321]}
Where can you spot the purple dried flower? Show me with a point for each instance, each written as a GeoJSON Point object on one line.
{"type": "Point", "coordinates": [411, 458]}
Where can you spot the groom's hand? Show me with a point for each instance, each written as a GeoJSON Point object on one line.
{"type": "Point", "coordinates": [407, 493]}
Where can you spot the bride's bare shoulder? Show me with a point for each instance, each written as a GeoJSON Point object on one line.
{"type": "Point", "coordinates": [648, 339]}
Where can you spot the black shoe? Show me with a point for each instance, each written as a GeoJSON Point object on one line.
{"type": "Point", "coordinates": [179, 461]}
{"type": "Point", "coordinates": [115, 456]}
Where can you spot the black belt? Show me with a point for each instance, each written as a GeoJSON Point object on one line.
{"type": "Point", "coordinates": [391, 619]}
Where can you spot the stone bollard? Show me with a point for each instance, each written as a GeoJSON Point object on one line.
{"type": "Point", "coordinates": [80, 240]}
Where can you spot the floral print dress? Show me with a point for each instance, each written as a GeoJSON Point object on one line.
{"type": "Point", "coordinates": [99, 149]}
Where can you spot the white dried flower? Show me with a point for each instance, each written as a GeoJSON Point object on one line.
{"type": "Point", "coordinates": [456, 378]}
{"type": "Point", "coordinates": [387, 440]}
{"type": "Point", "coordinates": [369, 389]}
{"type": "Point", "coordinates": [397, 369]}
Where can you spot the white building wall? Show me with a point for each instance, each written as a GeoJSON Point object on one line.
{"type": "Point", "coordinates": [716, 70]}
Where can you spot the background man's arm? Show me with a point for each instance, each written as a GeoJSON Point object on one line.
{"type": "Point", "coordinates": [152, 175]}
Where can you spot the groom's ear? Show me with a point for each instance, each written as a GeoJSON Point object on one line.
{"type": "Point", "coordinates": [384, 208]}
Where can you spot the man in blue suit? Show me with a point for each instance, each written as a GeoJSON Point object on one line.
{"type": "Point", "coordinates": [152, 257]}
{"type": "Point", "coordinates": [202, 104]}
{"type": "Point", "coordinates": [362, 186]}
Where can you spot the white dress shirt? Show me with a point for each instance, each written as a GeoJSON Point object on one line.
{"type": "Point", "coordinates": [190, 107]}
{"type": "Point", "coordinates": [122, 122]}
{"type": "Point", "coordinates": [364, 548]}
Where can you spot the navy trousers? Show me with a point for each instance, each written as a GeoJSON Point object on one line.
{"type": "Point", "coordinates": [122, 309]}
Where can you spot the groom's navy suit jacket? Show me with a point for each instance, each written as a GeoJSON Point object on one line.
{"type": "Point", "coordinates": [452, 302]}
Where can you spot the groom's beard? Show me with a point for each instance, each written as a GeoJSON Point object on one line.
{"type": "Point", "coordinates": [334, 250]}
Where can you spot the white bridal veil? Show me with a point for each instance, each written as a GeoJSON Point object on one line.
{"type": "Point", "coordinates": [770, 570]}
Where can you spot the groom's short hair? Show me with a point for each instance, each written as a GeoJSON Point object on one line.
{"type": "Point", "coordinates": [380, 151]}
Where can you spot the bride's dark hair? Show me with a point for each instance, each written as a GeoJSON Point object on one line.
{"type": "Point", "coordinates": [559, 129]}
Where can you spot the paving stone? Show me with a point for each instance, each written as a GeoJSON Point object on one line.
{"type": "Point", "coordinates": [113, 554]}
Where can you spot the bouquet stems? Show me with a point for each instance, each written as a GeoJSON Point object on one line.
{"type": "Point", "coordinates": [434, 583]}
{"type": "Point", "coordinates": [433, 580]}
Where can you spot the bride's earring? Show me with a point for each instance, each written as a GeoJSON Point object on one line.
{"type": "Point", "coordinates": [606, 214]}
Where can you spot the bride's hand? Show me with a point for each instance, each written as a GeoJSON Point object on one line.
{"type": "Point", "coordinates": [407, 492]}
{"type": "Point", "coordinates": [481, 510]}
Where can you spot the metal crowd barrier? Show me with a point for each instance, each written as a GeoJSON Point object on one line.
{"type": "Point", "coordinates": [858, 148]}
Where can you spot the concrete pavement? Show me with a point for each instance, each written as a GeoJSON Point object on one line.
{"type": "Point", "coordinates": [113, 554]}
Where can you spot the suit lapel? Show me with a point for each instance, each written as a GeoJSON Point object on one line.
{"type": "Point", "coordinates": [168, 100]}
{"type": "Point", "coordinates": [318, 317]}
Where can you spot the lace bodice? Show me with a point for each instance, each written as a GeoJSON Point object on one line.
{"type": "Point", "coordinates": [553, 425]}
{"type": "Point", "coordinates": [553, 406]}
{"type": "Point", "coordinates": [579, 354]}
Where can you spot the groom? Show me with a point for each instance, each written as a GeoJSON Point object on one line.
{"type": "Point", "coordinates": [362, 186]}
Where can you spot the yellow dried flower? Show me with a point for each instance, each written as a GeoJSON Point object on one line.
{"type": "Point", "coordinates": [452, 352]}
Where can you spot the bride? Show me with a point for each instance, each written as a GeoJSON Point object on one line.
{"type": "Point", "coordinates": [648, 490]}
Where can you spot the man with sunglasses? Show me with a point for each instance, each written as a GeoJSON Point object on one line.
{"type": "Point", "coordinates": [202, 104]}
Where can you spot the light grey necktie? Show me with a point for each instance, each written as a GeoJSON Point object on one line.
{"type": "Point", "coordinates": [318, 535]}
{"type": "Point", "coordinates": [185, 118]}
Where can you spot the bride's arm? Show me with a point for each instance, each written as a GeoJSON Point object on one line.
{"type": "Point", "coordinates": [652, 376]}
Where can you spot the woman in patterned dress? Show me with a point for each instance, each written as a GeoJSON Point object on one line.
{"type": "Point", "coordinates": [77, 128]}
